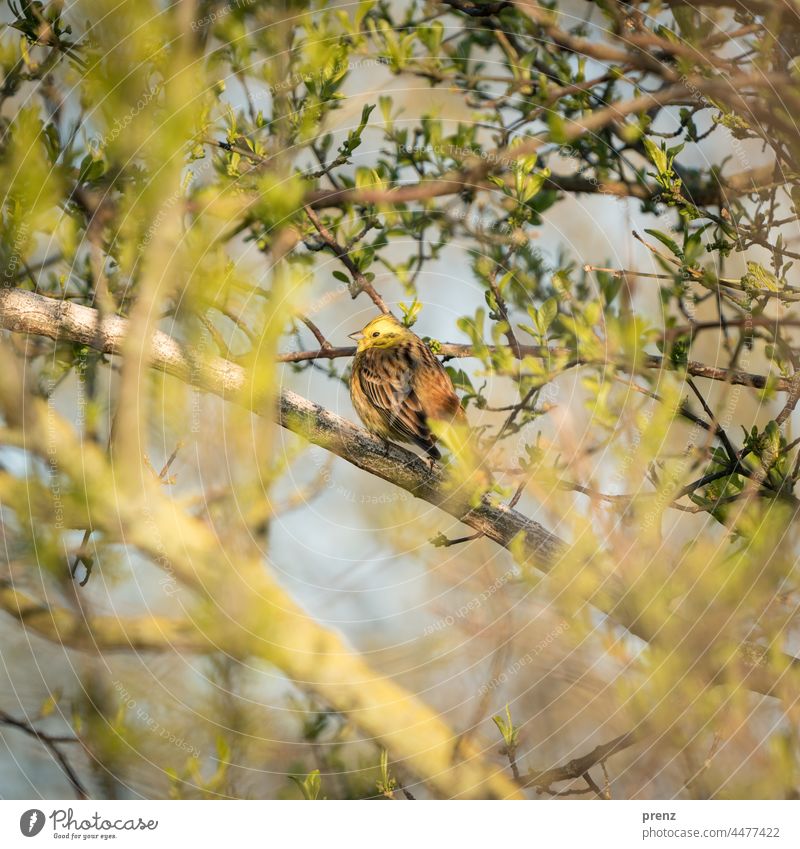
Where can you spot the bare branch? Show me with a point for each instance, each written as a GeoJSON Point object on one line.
{"type": "Point", "coordinates": [579, 767]}
{"type": "Point", "coordinates": [360, 281]}
{"type": "Point", "coordinates": [52, 744]}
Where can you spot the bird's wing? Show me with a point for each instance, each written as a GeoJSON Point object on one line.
{"type": "Point", "coordinates": [435, 392]}
{"type": "Point", "coordinates": [389, 386]}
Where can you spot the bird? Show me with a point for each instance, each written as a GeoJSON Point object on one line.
{"type": "Point", "coordinates": [398, 386]}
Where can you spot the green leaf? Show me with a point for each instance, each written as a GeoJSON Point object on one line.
{"type": "Point", "coordinates": [758, 279]}
{"type": "Point", "coordinates": [49, 704]}
{"type": "Point", "coordinates": [223, 750]}
{"type": "Point", "coordinates": [558, 127]}
{"type": "Point", "coordinates": [549, 311]}
{"type": "Point", "coordinates": [386, 783]}
{"type": "Point", "coordinates": [310, 785]}
{"type": "Point", "coordinates": [526, 328]}
{"type": "Point", "coordinates": [507, 729]}
{"type": "Point", "coordinates": [386, 104]}
{"type": "Point", "coordinates": [363, 8]}
{"type": "Point", "coordinates": [657, 155]}
{"type": "Point", "coordinates": [410, 312]}
{"type": "Point", "coordinates": [460, 379]}
{"type": "Point", "coordinates": [666, 241]}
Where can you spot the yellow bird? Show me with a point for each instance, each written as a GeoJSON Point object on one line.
{"type": "Point", "coordinates": [398, 386]}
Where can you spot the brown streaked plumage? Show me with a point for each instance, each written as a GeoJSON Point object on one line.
{"type": "Point", "coordinates": [397, 385]}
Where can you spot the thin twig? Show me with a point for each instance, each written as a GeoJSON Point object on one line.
{"type": "Point", "coordinates": [51, 742]}
{"type": "Point", "coordinates": [450, 350]}
{"type": "Point", "coordinates": [324, 345]}
{"type": "Point", "coordinates": [360, 281]}
{"type": "Point", "coordinates": [731, 451]}
{"type": "Point", "coordinates": [592, 785]}
{"type": "Point", "coordinates": [578, 766]}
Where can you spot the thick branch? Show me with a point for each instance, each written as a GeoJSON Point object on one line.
{"type": "Point", "coordinates": [101, 633]}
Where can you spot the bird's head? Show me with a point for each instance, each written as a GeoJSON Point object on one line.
{"type": "Point", "coordinates": [385, 331]}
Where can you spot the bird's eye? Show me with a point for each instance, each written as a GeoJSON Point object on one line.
{"type": "Point", "coordinates": [376, 333]}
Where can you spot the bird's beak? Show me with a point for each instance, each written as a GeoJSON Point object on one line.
{"type": "Point", "coordinates": [356, 337]}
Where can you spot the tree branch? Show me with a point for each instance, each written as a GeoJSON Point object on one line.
{"type": "Point", "coordinates": [51, 743]}
{"type": "Point", "coordinates": [727, 189]}
{"type": "Point", "coordinates": [579, 767]}
{"type": "Point", "coordinates": [735, 377]}
{"type": "Point", "coordinates": [100, 633]}
{"type": "Point", "coordinates": [360, 281]}
{"type": "Point", "coordinates": [474, 176]}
